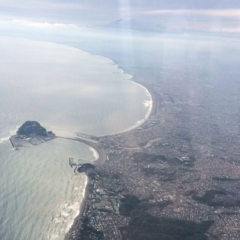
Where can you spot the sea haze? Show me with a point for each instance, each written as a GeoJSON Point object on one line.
{"type": "Point", "coordinates": [67, 91]}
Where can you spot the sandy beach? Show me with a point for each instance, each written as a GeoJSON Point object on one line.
{"type": "Point", "coordinates": [102, 157]}
{"type": "Point", "coordinates": [75, 228]}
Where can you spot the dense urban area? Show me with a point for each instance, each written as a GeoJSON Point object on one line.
{"type": "Point", "coordinates": [181, 167]}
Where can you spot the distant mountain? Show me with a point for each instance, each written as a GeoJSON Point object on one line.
{"type": "Point", "coordinates": [135, 25]}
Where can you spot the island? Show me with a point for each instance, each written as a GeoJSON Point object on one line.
{"type": "Point", "coordinates": [30, 133]}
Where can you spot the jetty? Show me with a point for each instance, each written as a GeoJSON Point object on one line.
{"type": "Point", "coordinates": [77, 163]}
{"type": "Point", "coordinates": [102, 156]}
{"type": "Point", "coordinates": [87, 137]}
{"type": "Point", "coordinates": [13, 143]}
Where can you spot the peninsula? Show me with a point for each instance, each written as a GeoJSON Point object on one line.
{"type": "Point", "coordinates": [30, 133]}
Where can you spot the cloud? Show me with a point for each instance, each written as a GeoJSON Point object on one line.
{"type": "Point", "coordinates": [28, 4]}
{"type": "Point", "coordinates": [181, 14]}
{"type": "Point", "coordinates": [42, 24]}
{"type": "Point", "coordinates": [232, 13]}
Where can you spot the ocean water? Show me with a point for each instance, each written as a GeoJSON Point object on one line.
{"type": "Point", "coordinates": [67, 91]}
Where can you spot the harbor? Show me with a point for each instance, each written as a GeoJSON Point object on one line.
{"type": "Point", "coordinates": [102, 156]}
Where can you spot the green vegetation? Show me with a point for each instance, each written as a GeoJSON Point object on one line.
{"type": "Point", "coordinates": [30, 128]}
{"type": "Point", "coordinates": [187, 169]}
{"type": "Point", "coordinates": [155, 171]}
{"type": "Point", "coordinates": [225, 204]}
{"type": "Point", "coordinates": [105, 210]}
{"type": "Point", "coordinates": [144, 226]}
{"type": "Point", "coordinates": [225, 179]}
{"type": "Point", "coordinates": [175, 161]}
{"type": "Point", "coordinates": [189, 164]}
{"type": "Point", "coordinates": [163, 174]}
{"type": "Point", "coordinates": [128, 204]}
{"type": "Point", "coordinates": [85, 167]}
{"type": "Point", "coordinates": [87, 231]}
{"type": "Point", "coordinates": [228, 213]}
{"type": "Point", "coordinates": [93, 175]}
{"type": "Point", "coordinates": [160, 205]}
{"type": "Point", "coordinates": [190, 193]}
{"type": "Point", "coordinates": [212, 237]}
{"type": "Point", "coordinates": [187, 161]}
{"type": "Point", "coordinates": [146, 157]}
{"type": "Point", "coordinates": [109, 175]}
{"type": "Point", "coordinates": [208, 198]}
{"type": "Point", "coordinates": [142, 144]}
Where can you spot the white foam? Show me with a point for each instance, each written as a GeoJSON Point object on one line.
{"type": "Point", "coordinates": [127, 76]}
{"type": "Point", "coordinates": [76, 206]}
{"type": "Point", "coordinates": [64, 214]}
{"type": "Point", "coordinates": [94, 153]}
{"type": "Point", "coordinates": [147, 104]}
{"type": "Point", "coordinates": [12, 132]}
{"type": "Point", "coordinates": [68, 211]}
{"type": "Point", "coordinates": [118, 68]}
{"type": "Point", "coordinates": [4, 139]}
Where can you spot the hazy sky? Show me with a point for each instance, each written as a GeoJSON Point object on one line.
{"type": "Point", "coordinates": [223, 15]}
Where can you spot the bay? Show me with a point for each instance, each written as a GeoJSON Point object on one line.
{"type": "Point", "coordinates": [68, 91]}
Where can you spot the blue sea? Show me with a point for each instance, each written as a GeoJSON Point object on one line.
{"type": "Point", "coordinates": [68, 91]}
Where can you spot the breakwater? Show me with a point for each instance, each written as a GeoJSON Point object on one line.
{"type": "Point", "coordinates": [102, 156]}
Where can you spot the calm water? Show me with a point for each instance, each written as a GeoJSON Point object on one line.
{"type": "Point", "coordinates": [67, 91]}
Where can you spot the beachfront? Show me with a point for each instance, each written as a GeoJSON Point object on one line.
{"type": "Point", "coordinates": [187, 167]}
{"type": "Point", "coordinates": [103, 156]}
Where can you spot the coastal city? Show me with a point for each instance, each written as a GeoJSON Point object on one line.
{"type": "Point", "coordinates": [120, 120]}
{"type": "Point", "coordinates": [185, 155]}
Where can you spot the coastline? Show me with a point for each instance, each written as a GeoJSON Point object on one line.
{"type": "Point", "coordinates": [151, 113]}
{"type": "Point", "coordinates": [75, 228]}
{"type": "Point", "coordinates": [139, 123]}
{"type": "Point", "coordinates": [102, 156]}
{"type": "Point", "coordinates": [149, 116]}
{"type": "Point", "coordinates": [181, 129]}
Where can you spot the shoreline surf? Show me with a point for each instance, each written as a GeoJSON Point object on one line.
{"type": "Point", "coordinates": [97, 152]}
{"type": "Point", "coordinates": [75, 225]}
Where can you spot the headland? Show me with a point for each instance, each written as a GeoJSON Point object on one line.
{"type": "Point", "coordinates": [30, 133]}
